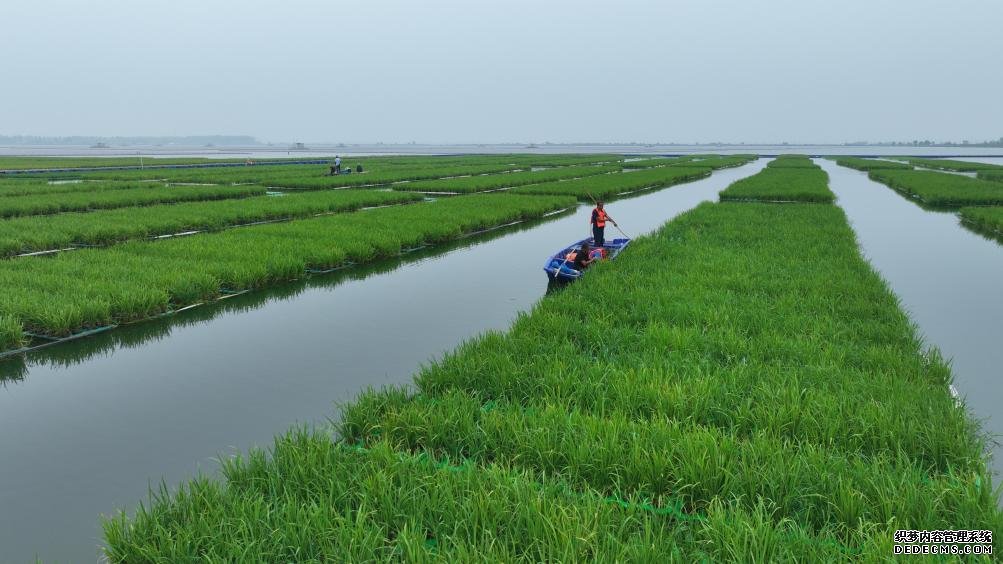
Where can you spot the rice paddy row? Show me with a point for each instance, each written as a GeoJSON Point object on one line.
{"type": "Point", "coordinates": [90, 288]}
{"type": "Point", "coordinates": [941, 189]}
{"type": "Point", "coordinates": [994, 175]}
{"type": "Point", "coordinates": [610, 185]}
{"type": "Point", "coordinates": [987, 219]}
{"type": "Point", "coordinates": [103, 227]}
{"type": "Point", "coordinates": [796, 179]}
{"type": "Point", "coordinates": [482, 183]}
{"type": "Point", "coordinates": [791, 161]}
{"type": "Point", "coordinates": [741, 386]}
{"type": "Point", "coordinates": [871, 164]}
{"type": "Point", "coordinates": [951, 165]}
{"type": "Point", "coordinates": [139, 195]}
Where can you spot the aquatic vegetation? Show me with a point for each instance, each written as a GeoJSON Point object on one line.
{"type": "Point", "coordinates": [785, 183]}
{"type": "Point", "coordinates": [715, 162]}
{"type": "Point", "coordinates": [134, 280]}
{"type": "Point", "coordinates": [11, 333]}
{"type": "Point", "coordinates": [42, 204]}
{"type": "Point", "coordinates": [871, 164]}
{"type": "Point", "coordinates": [481, 183]}
{"type": "Point", "coordinates": [382, 178]}
{"type": "Point", "coordinates": [985, 219]}
{"type": "Point", "coordinates": [791, 161]}
{"type": "Point", "coordinates": [940, 188]}
{"type": "Point", "coordinates": [39, 233]}
{"type": "Point", "coordinates": [381, 505]}
{"type": "Point", "coordinates": [742, 386]}
{"type": "Point", "coordinates": [994, 175]}
{"type": "Point", "coordinates": [610, 185]}
{"type": "Point", "coordinates": [951, 165]}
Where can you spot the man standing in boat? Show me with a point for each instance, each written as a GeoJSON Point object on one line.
{"type": "Point", "coordinates": [599, 219]}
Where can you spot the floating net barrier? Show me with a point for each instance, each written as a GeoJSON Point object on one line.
{"type": "Point", "coordinates": [40, 340]}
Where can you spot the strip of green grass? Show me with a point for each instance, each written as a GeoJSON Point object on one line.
{"type": "Point", "coordinates": [941, 189]}
{"type": "Point", "coordinates": [988, 219]}
{"type": "Point", "coordinates": [992, 175]}
{"type": "Point", "coordinates": [791, 161]}
{"type": "Point", "coordinates": [715, 162]}
{"type": "Point", "coordinates": [39, 187]}
{"type": "Point", "coordinates": [610, 185]}
{"type": "Point", "coordinates": [952, 165]}
{"type": "Point", "coordinates": [782, 184]}
{"type": "Point", "coordinates": [743, 376]}
{"type": "Point", "coordinates": [43, 204]}
{"type": "Point", "coordinates": [871, 164]}
{"type": "Point", "coordinates": [40, 233]}
{"type": "Point", "coordinates": [382, 178]}
{"type": "Point", "coordinates": [135, 280]}
{"type": "Point", "coordinates": [481, 183]}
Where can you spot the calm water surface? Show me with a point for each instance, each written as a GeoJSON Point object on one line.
{"type": "Point", "coordinates": [87, 427]}
{"type": "Point", "coordinates": [948, 279]}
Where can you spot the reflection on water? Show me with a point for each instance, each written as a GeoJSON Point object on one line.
{"type": "Point", "coordinates": [87, 426]}
{"type": "Point", "coordinates": [947, 278]}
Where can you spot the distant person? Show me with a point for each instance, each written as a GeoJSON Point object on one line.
{"type": "Point", "coordinates": [332, 172]}
{"type": "Point", "coordinates": [337, 164]}
{"type": "Point", "coordinates": [582, 259]}
{"type": "Point", "coordinates": [599, 219]}
{"type": "Point", "coordinates": [358, 168]}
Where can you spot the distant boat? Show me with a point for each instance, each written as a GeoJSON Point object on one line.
{"type": "Point", "coordinates": [532, 146]}
{"type": "Point", "coordinates": [100, 146]}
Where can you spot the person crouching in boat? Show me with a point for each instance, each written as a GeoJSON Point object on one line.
{"type": "Point", "coordinates": [583, 258]}
{"type": "Point", "coordinates": [599, 219]}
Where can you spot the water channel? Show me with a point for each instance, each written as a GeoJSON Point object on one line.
{"type": "Point", "coordinates": [947, 278]}
{"type": "Point", "coordinates": [87, 427]}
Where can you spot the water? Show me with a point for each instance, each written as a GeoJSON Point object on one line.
{"type": "Point", "coordinates": [322, 150]}
{"type": "Point", "coordinates": [948, 279]}
{"type": "Point", "coordinates": [86, 427]}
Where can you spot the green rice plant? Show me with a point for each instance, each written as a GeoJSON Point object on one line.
{"type": "Point", "coordinates": [43, 204]}
{"type": "Point", "coordinates": [716, 162]}
{"type": "Point", "coordinates": [782, 184]}
{"type": "Point", "coordinates": [987, 219]}
{"type": "Point", "coordinates": [952, 165]}
{"type": "Point", "coordinates": [36, 187]}
{"type": "Point", "coordinates": [871, 164]}
{"type": "Point", "coordinates": [40, 233]}
{"type": "Point", "coordinates": [482, 183]}
{"type": "Point", "coordinates": [11, 333]}
{"type": "Point", "coordinates": [315, 500]}
{"type": "Point", "coordinates": [95, 287]}
{"type": "Point", "coordinates": [941, 189]}
{"type": "Point", "coordinates": [656, 162]}
{"type": "Point", "coordinates": [791, 161]}
{"type": "Point", "coordinates": [742, 381]}
{"type": "Point", "coordinates": [993, 175]}
{"type": "Point", "coordinates": [383, 178]}
{"type": "Point", "coordinates": [610, 185]}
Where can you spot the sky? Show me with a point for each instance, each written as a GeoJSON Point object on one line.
{"type": "Point", "coordinates": [486, 71]}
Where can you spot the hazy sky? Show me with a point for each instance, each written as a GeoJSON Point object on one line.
{"type": "Point", "coordinates": [485, 71]}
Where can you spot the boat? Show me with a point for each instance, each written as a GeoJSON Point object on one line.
{"type": "Point", "coordinates": [558, 268]}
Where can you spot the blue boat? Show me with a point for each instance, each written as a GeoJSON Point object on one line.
{"type": "Point", "coordinates": [558, 268]}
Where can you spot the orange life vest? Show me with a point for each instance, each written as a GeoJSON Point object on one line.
{"type": "Point", "coordinates": [600, 217]}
